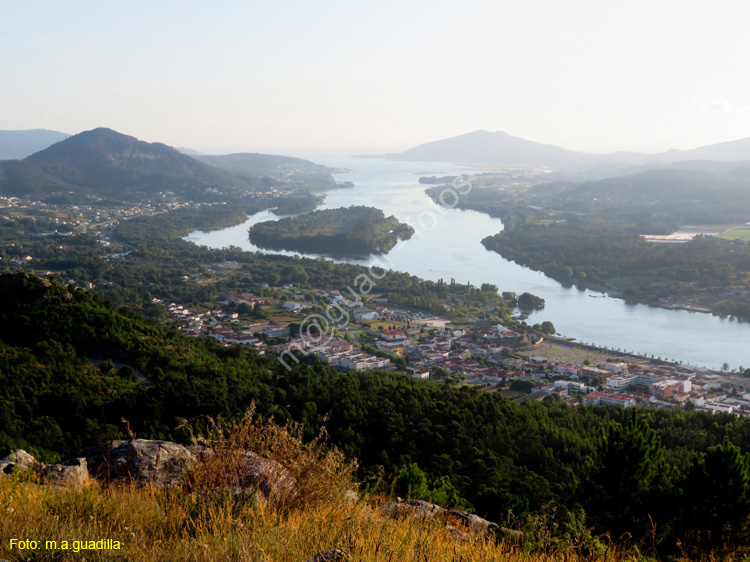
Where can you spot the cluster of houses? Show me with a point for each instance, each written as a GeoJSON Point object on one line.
{"type": "Point", "coordinates": [8, 202]}
{"type": "Point", "coordinates": [214, 322]}
{"type": "Point", "coordinates": [217, 324]}
{"type": "Point", "coordinates": [640, 382]}
{"type": "Point", "coordinates": [479, 355]}
{"type": "Point", "coordinates": [332, 350]}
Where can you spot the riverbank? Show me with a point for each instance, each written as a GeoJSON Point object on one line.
{"type": "Point", "coordinates": [700, 276]}
{"type": "Point", "coordinates": [447, 244]}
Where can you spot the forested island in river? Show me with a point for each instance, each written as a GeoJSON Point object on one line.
{"type": "Point", "coordinates": [351, 231]}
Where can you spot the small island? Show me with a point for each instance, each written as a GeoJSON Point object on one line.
{"type": "Point", "coordinates": [352, 231]}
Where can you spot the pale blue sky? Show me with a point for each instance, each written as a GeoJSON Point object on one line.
{"type": "Point", "coordinates": [320, 77]}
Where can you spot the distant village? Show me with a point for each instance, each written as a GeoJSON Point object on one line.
{"type": "Point", "coordinates": [495, 358]}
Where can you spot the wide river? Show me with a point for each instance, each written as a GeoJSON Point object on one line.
{"type": "Point", "coordinates": [447, 244]}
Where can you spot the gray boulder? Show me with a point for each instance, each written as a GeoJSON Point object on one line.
{"type": "Point", "coordinates": [163, 464]}
{"type": "Point", "coordinates": [141, 461]}
{"type": "Point", "coordinates": [473, 522]}
{"type": "Point", "coordinates": [17, 461]}
{"type": "Point", "coordinates": [426, 510]}
{"type": "Point", "coordinates": [351, 496]}
{"type": "Point", "coordinates": [74, 472]}
{"type": "Point", "coordinates": [267, 477]}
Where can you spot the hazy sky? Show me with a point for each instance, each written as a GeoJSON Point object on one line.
{"type": "Point", "coordinates": [350, 77]}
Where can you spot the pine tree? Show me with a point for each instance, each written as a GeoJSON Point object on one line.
{"type": "Point", "coordinates": [716, 496]}
{"type": "Point", "coordinates": [624, 490]}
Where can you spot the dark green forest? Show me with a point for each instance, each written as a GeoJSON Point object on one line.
{"type": "Point", "coordinates": [352, 231]}
{"type": "Point", "coordinates": [658, 476]}
{"type": "Point", "coordinates": [591, 254]}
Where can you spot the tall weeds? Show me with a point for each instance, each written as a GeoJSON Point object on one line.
{"type": "Point", "coordinates": [270, 463]}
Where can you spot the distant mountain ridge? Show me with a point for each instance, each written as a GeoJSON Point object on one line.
{"type": "Point", "coordinates": [260, 164]}
{"type": "Point", "coordinates": [502, 149]}
{"type": "Point", "coordinates": [20, 144]}
{"type": "Point", "coordinates": [490, 148]}
{"type": "Point", "coordinates": [292, 171]}
{"type": "Point", "coordinates": [103, 162]}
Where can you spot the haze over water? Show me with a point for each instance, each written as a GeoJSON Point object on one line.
{"type": "Point", "coordinates": [447, 245]}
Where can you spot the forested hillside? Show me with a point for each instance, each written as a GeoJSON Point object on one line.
{"type": "Point", "coordinates": [658, 476]}
{"type": "Point", "coordinates": [103, 163]}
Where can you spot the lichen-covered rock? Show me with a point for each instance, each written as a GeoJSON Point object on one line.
{"type": "Point", "coordinates": [163, 464]}
{"type": "Point", "coordinates": [141, 461]}
{"type": "Point", "coordinates": [473, 522]}
{"type": "Point", "coordinates": [17, 461]}
{"type": "Point", "coordinates": [267, 477]}
{"type": "Point", "coordinates": [426, 510]}
{"type": "Point", "coordinates": [74, 472]}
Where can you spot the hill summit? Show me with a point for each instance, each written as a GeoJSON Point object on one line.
{"type": "Point", "coordinates": [103, 162]}
{"type": "Point", "coordinates": [491, 147]}
{"type": "Point", "coordinates": [501, 149]}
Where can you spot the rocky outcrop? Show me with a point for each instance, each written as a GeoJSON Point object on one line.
{"type": "Point", "coordinates": [73, 472]}
{"type": "Point", "coordinates": [140, 461]}
{"type": "Point", "coordinates": [267, 477]}
{"type": "Point", "coordinates": [453, 517]}
{"type": "Point", "coordinates": [473, 522]}
{"type": "Point", "coordinates": [17, 461]}
{"type": "Point", "coordinates": [163, 464]}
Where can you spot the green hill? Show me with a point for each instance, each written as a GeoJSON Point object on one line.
{"type": "Point", "coordinates": [105, 163]}
{"type": "Point", "coordinates": [292, 171]}
{"type": "Point", "coordinates": [54, 399]}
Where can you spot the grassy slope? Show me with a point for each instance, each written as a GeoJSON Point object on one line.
{"type": "Point", "coordinates": [202, 520]}
{"type": "Point", "coordinates": [155, 526]}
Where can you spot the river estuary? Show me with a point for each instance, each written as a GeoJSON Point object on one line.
{"type": "Point", "coordinates": [447, 244]}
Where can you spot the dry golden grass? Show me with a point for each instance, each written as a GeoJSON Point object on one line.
{"type": "Point", "coordinates": [288, 472]}
{"type": "Point", "coordinates": [154, 525]}
{"type": "Point", "coordinates": [205, 520]}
